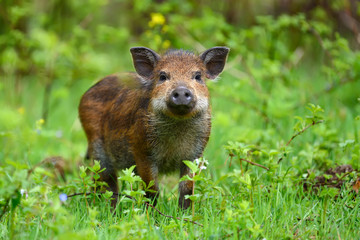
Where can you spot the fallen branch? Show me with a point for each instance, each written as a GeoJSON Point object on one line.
{"type": "Point", "coordinates": [300, 132]}
{"type": "Point", "coordinates": [146, 203]}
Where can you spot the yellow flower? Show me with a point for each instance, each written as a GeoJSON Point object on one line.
{"type": "Point", "coordinates": [21, 110]}
{"type": "Point", "coordinates": [166, 44]}
{"type": "Point", "coordinates": [40, 123]}
{"type": "Point", "coordinates": [156, 19]}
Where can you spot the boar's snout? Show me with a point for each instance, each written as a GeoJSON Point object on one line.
{"type": "Point", "coordinates": [181, 101]}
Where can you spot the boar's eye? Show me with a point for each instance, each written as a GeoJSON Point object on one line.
{"type": "Point", "coordinates": [162, 77]}
{"type": "Point", "coordinates": [198, 77]}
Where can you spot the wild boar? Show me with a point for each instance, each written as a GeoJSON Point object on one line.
{"type": "Point", "coordinates": [154, 118]}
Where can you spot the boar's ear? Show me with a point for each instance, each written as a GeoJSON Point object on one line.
{"type": "Point", "coordinates": [144, 60]}
{"type": "Point", "coordinates": [214, 60]}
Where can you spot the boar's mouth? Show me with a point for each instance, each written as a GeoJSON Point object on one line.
{"type": "Point", "coordinates": [181, 109]}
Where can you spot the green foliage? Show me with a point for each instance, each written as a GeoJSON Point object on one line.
{"type": "Point", "coordinates": [266, 111]}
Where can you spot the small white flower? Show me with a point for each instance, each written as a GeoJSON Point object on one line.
{"type": "Point", "coordinates": [58, 134]}
{"type": "Point", "coordinates": [202, 167]}
{"type": "Point", "coordinates": [23, 191]}
{"type": "Point", "coordinates": [206, 162]}
{"type": "Point", "coordinates": [197, 161]}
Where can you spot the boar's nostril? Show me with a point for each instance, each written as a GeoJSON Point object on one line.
{"type": "Point", "coordinates": [181, 100]}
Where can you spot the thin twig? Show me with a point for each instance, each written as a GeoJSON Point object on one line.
{"type": "Point", "coordinates": [320, 40]}
{"type": "Point", "coordinates": [348, 206]}
{"type": "Point", "coordinates": [343, 176]}
{"type": "Point", "coordinates": [168, 216]}
{"type": "Point", "coordinates": [231, 234]}
{"type": "Point", "coordinates": [77, 194]}
{"type": "Point", "coordinates": [300, 132]}
{"type": "Point", "coordinates": [255, 164]}
{"type": "Point", "coordinates": [303, 130]}
{"type": "Point", "coordinates": [253, 81]}
{"type": "Point", "coordinates": [148, 204]}
{"type": "Point", "coordinates": [254, 108]}
{"type": "Point", "coordinates": [333, 86]}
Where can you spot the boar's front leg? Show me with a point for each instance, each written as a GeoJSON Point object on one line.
{"type": "Point", "coordinates": [148, 174]}
{"type": "Point", "coordinates": [185, 187]}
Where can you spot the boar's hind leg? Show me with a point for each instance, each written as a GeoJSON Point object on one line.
{"type": "Point", "coordinates": [185, 187]}
{"type": "Point", "coordinates": [109, 175]}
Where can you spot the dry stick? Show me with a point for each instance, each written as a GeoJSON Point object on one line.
{"type": "Point", "coordinates": [148, 204]}
{"type": "Point", "coordinates": [255, 164]}
{"type": "Point", "coordinates": [300, 132]}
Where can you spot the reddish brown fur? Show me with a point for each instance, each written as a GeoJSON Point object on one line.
{"type": "Point", "coordinates": [127, 120]}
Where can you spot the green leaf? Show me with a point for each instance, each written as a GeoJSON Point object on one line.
{"type": "Point", "coordinates": [273, 152]}
{"type": "Point", "coordinates": [108, 194]}
{"type": "Point", "coordinates": [96, 166]}
{"type": "Point", "coordinates": [151, 183]}
{"type": "Point", "coordinates": [347, 143]}
{"type": "Point", "coordinates": [185, 178]}
{"type": "Point", "coordinates": [244, 205]}
{"type": "Point", "coordinates": [96, 177]}
{"type": "Point", "coordinates": [194, 168]}
{"type": "Point", "coordinates": [83, 171]}
{"type": "Point", "coordinates": [199, 178]}
{"type": "Point", "coordinates": [329, 192]}
{"type": "Point", "coordinates": [129, 171]}
{"type": "Point", "coordinates": [193, 197]}
{"type": "Point", "coordinates": [327, 176]}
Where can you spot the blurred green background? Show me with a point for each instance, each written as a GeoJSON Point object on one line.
{"type": "Point", "coordinates": [284, 55]}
